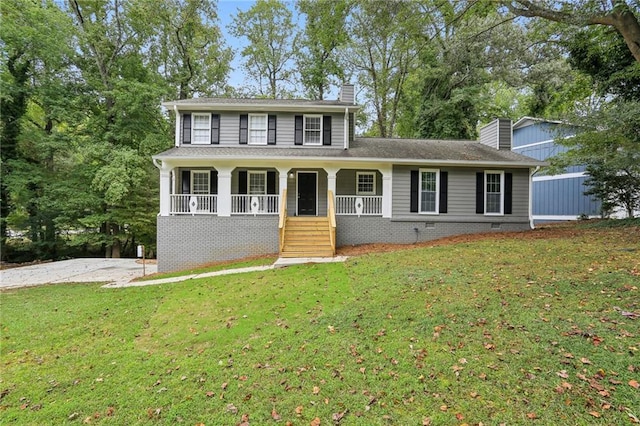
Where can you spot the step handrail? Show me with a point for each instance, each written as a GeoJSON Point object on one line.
{"type": "Point", "coordinates": [283, 218]}
{"type": "Point", "coordinates": [332, 220]}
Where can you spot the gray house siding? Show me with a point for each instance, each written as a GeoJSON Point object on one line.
{"type": "Point", "coordinates": [346, 181]}
{"type": "Point", "coordinates": [461, 195]}
{"type": "Point", "coordinates": [230, 129]}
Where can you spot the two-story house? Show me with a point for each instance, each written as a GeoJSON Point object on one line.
{"type": "Point", "coordinates": [258, 176]}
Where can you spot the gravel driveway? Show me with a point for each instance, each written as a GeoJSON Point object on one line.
{"type": "Point", "coordinates": [74, 270]}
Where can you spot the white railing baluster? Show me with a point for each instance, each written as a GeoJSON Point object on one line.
{"type": "Point", "coordinates": [194, 204]}
{"type": "Point", "coordinates": [359, 205]}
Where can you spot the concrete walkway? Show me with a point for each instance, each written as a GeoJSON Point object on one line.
{"type": "Point", "coordinates": [119, 272]}
{"type": "Point", "coordinates": [280, 263]}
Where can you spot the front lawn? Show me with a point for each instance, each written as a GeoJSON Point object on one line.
{"type": "Point", "coordinates": [539, 328]}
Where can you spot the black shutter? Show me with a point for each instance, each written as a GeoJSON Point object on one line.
{"type": "Point", "coordinates": [480, 192]}
{"type": "Point", "coordinates": [414, 191]}
{"type": "Point", "coordinates": [326, 130]}
{"type": "Point", "coordinates": [271, 182]}
{"type": "Point", "coordinates": [352, 126]}
{"type": "Point", "coordinates": [297, 136]}
{"type": "Point", "coordinates": [186, 181]}
{"type": "Point", "coordinates": [215, 128]}
{"type": "Point", "coordinates": [242, 182]}
{"type": "Point", "coordinates": [244, 128]}
{"type": "Point", "coordinates": [508, 190]}
{"type": "Point", "coordinates": [271, 133]}
{"type": "Point", "coordinates": [213, 182]}
{"type": "Point", "coordinates": [186, 128]}
{"type": "Point", "coordinates": [444, 187]}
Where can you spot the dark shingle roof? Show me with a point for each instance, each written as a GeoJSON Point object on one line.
{"type": "Point", "coordinates": [368, 149]}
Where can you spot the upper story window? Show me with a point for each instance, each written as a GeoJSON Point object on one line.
{"type": "Point", "coordinates": [365, 183]}
{"type": "Point", "coordinates": [312, 130]}
{"type": "Point", "coordinates": [258, 129]}
{"type": "Point", "coordinates": [429, 187]}
{"type": "Point", "coordinates": [201, 129]}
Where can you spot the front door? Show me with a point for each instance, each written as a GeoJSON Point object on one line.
{"type": "Point", "coordinates": [307, 193]}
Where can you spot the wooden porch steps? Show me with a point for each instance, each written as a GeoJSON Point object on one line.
{"type": "Point", "coordinates": [307, 237]}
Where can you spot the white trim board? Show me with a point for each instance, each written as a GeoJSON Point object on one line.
{"type": "Point", "coordinates": [574, 175]}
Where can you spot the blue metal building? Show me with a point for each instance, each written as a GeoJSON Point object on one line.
{"type": "Point", "coordinates": [554, 197]}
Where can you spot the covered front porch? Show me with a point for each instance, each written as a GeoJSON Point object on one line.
{"type": "Point", "coordinates": [304, 200]}
{"type": "Point", "coordinates": [256, 191]}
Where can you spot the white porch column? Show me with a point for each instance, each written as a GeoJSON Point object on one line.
{"type": "Point", "coordinates": [283, 180]}
{"type": "Point", "coordinates": [331, 179]}
{"type": "Point", "coordinates": [387, 195]}
{"type": "Point", "coordinates": [224, 191]}
{"type": "Point", "coordinates": [165, 190]}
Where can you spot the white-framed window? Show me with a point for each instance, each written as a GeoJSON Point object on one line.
{"type": "Point", "coordinates": [201, 129]}
{"type": "Point", "coordinates": [258, 129]}
{"type": "Point", "coordinates": [200, 182]}
{"type": "Point", "coordinates": [365, 183]}
{"type": "Point", "coordinates": [257, 182]}
{"type": "Point", "coordinates": [494, 192]}
{"type": "Point", "coordinates": [429, 194]}
{"type": "Point", "coordinates": [312, 130]}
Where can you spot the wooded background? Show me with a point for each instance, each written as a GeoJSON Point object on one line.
{"type": "Point", "coordinates": [82, 83]}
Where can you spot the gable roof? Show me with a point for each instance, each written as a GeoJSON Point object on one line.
{"type": "Point", "coordinates": [385, 150]}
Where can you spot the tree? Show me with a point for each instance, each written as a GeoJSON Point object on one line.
{"type": "Point", "coordinates": [619, 14]}
{"type": "Point", "coordinates": [272, 44]}
{"type": "Point", "coordinates": [185, 45]}
{"type": "Point", "coordinates": [386, 41]}
{"type": "Point", "coordinates": [37, 89]}
{"type": "Point", "coordinates": [325, 32]}
{"type": "Point", "coordinates": [123, 127]}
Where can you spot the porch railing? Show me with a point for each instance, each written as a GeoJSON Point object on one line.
{"type": "Point", "coordinates": [255, 204]}
{"type": "Point", "coordinates": [331, 212]}
{"type": "Point", "coordinates": [359, 205]}
{"type": "Point", "coordinates": [283, 218]}
{"type": "Point", "coordinates": [194, 204]}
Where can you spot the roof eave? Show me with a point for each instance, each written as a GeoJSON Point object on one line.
{"type": "Point", "coordinates": [256, 107]}
{"type": "Point", "coordinates": [402, 161]}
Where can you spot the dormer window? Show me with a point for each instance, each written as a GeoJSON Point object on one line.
{"type": "Point", "coordinates": [257, 129]}
{"type": "Point", "coordinates": [201, 130]}
{"type": "Point", "coordinates": [312, 130]}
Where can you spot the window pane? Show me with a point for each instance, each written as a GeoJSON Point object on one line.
{"type": "Point", "coordinates": [493, 195]}
{"type": "Point", "coordinates": [257, 183]}
{"type": "Point", "coordinates": [428, 192]}
{"type": "Point", "coordinates": [257, 129]}
{"type": "Point", "coordinates": [366, 183]}
{"type": "Point", "coordinates": [201, 128]}
{"type": "Point", "coordinates": [200, 182]}
{"type": "Point", "coordinates": [312, 134]}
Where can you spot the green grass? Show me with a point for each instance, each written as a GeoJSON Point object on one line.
{"type": "Point", "coordinates": [500, 330]}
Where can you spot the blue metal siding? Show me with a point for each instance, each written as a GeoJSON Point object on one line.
{"type": "Point", "coordinates": [539, 132]}
{"type": "Point", "coordinates": [563, 197]}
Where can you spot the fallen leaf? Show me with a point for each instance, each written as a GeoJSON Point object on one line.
{"type": "Point", "coordinates": [634, 384]}
{"type": "Point", "coordinates": [210, 394]}
{"type": "Point", "coordinates": [274, 415]}
{"type": "Point", "coordinates": [585, 361]}
{"type": "Point", "coordinates": [532, 416]}
{"type": "Point", "coordinates": [459, 416]}
{"type": "Point", "coordinates": [594, 413]}
{"type": "Point", "coordinates": [562, 374]}
{"type": "Point", "coordinates": [316, 390]}
{"type": "Point", "coordinates": [299, 409]}
{"type": "Point", "coordinates": [315, 422]}
{"type": "Point", "coordinates": [443, 408]}
{"type": "Point", "coordinates": [336, 417]}
{"type": "Point", "coordinates": [110, 411]}
{"type": "Point", "coordinates": [426, 421]}
{"type": "Point", "coordinates": [232, 409]}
